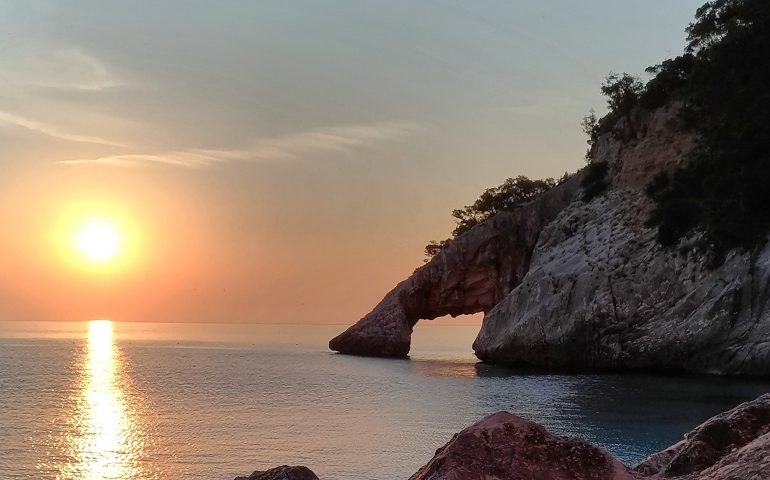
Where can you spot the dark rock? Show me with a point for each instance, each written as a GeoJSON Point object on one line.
{"type": "Point", "coordinates": [750, 462]}
{"type": "Point", "coordinates": [734, 444]}
{"type": "Point", "coordinates": [284, 472]}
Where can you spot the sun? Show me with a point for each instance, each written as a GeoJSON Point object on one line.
{"type": "Point", "coordinates": [98, 241]}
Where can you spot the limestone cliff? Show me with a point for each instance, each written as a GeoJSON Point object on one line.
{"type": "Point", "coordinates": [569, 284]}
{"type": "Point", "coordinates": [601, 292]}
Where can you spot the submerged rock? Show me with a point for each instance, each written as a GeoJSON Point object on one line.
{"type": "Point", "coordinates": [503, 446]}
{"type": "Point", "coordinates": [284, 472]}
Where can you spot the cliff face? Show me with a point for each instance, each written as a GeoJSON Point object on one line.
{"type": "Point", "coordinates": [585, 285]}
{"type": "Point", "coordinates": [602, 293]}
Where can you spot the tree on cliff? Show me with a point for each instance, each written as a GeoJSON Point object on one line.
{"type": "Point", "coordinates": [505, 197]}
{"type": "Point", "coordinates": [622, 92]}
{"type": "Point", "coordinates": [722, 81]}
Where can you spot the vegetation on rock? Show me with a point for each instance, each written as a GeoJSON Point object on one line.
{"type": "Point", "coordinates": [722, 81]}
{"type": "Point", "coordinates": [594, 182]}
{"type": "Point", "coordinates": [506, 197]}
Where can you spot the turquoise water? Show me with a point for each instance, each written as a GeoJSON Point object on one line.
{"type": "Point", "coordinates": [152, 401]}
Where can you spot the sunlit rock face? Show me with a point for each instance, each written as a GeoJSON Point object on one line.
{"type": "Point", "coordinates": [472, 274]}
{"type": "Point", "coordinates": [655, 146]}
{"type": "Point", "coordinates": [602, 294]}
{"type": "Point", "coordinates": [503, 446]}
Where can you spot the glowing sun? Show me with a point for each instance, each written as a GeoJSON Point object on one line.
{"type": "Point", "coordinates": [98, 241]}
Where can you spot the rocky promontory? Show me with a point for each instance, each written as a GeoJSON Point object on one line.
{"type": "Point", "coordinates": [734, 445]}
{"type": "Point", "coordinates": [571, 284]}
{"type": "Point", "coordinates": [470, 275]}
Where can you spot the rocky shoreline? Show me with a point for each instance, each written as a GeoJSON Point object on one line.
{"type": "Point", "coordinates": [734, 445]}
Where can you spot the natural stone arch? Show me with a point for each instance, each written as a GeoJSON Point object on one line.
{"type": "Point", "coordinates": [470, 275]}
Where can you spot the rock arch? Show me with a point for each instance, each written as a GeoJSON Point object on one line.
{"type": "Point", "coordinates": [470, 275]}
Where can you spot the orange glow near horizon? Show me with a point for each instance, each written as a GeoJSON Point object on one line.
{"type": "Point", "coordinates": [178, 258]}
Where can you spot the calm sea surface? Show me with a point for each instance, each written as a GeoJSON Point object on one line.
{"type": "Point", "coordinates": [150, 401]}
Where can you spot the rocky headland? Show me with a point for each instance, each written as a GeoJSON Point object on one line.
{"type": "Point", "coordinates": [566, 283]}
{"type": "Point", "coordinates": [472, 274]}
{"type": "Point", "coordinates": [734, 445]}
{"type": "Point", "coordinates": [652, 257]}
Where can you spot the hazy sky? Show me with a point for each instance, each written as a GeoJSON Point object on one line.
{"type": "Point", "coordinates": [281, 161]}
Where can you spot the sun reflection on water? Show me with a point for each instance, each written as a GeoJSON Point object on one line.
{"type": "Point", "coordinates": [106, 447]}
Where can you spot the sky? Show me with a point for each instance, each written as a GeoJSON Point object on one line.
{"type": "Point", "coordinates": [281, 162]}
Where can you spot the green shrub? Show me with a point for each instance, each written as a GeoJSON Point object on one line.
{"type": "Point", "coordinates": [512, 193]}
{"type": "Point", "coordinates": [669, 81]}
{"type": "Point", "coordinates": [594, 181]}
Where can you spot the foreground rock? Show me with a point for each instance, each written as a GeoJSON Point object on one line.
{"type": "Point", "coordinates": [503, 446]}
{"type": "Point", "coordinates": [734, 445]}
{"type": "Point", "coordinates": [284, 472]}
{"type": "Point", "coordinates": [472, 274]}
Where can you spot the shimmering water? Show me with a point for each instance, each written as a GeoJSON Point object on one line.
{"type": "Point", "coordinates": [152, 401]}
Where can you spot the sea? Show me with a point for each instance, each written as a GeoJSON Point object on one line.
{"type": "Point", "coordinates": [104, 400]}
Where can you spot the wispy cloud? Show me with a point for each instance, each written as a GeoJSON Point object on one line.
{"type": "Point", "coordinates": [7, 118]}
{"type": "Point", "coordinates": [39, 66]}
{"type": "Point", "coordinates": [33, 70]}
{"type": "Point", "coordinates": [332, 139]}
